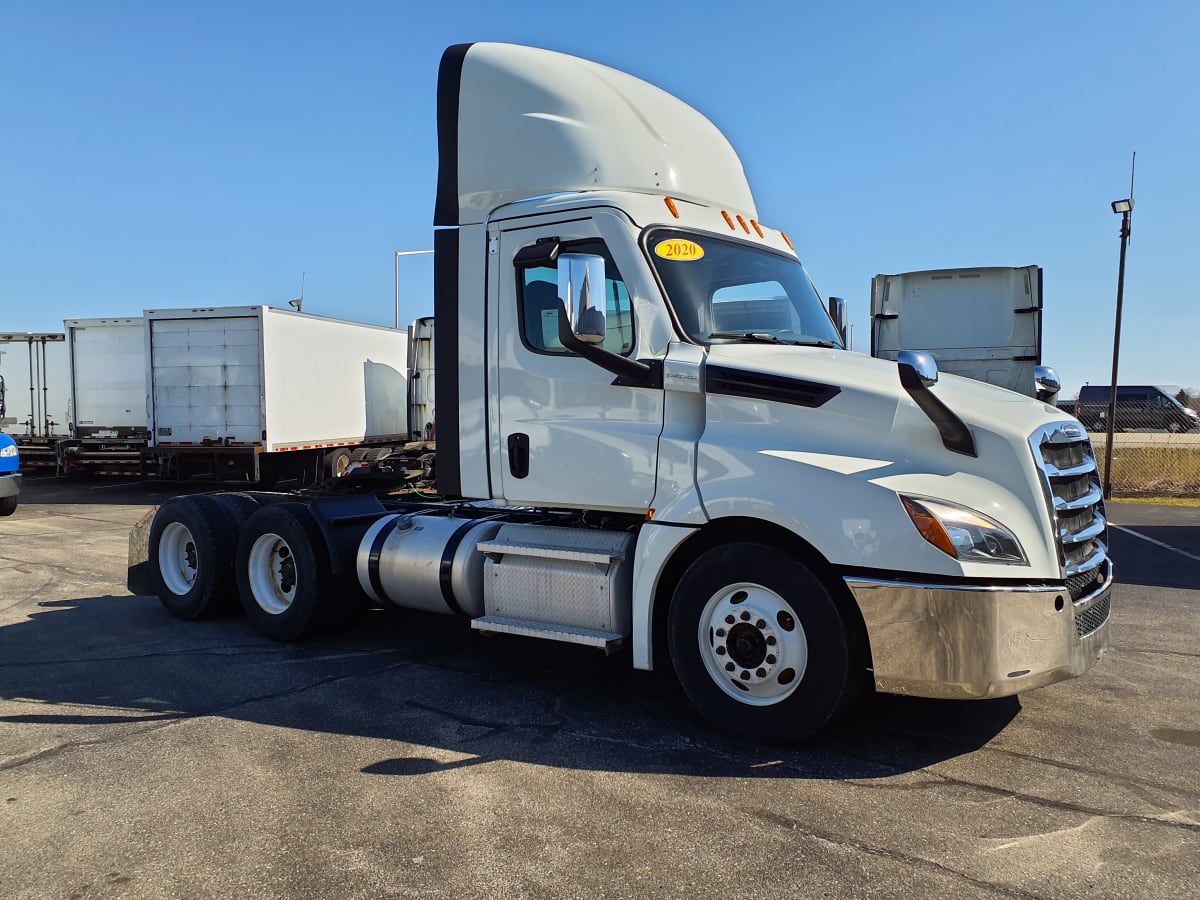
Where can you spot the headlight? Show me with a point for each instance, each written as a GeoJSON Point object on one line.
{"type": "Point", "coordinates": [963, 533]}
{"type": "Point", "coordinates": [10, 450]}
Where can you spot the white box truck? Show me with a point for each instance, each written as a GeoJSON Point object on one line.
{"type": "Point", "coordinates": [982, 323]}
{"type": "Point", "coordinates": [257, 394]}
{"type": "Point", "coordinates": [649, 433]}
{"type": "Point", "coordinates": [106, 360]}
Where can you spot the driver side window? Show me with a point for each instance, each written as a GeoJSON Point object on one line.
{"type": "Point", "coordinates": [537, 297]}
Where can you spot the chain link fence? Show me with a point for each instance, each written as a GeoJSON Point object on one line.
{"type": "Point", "coordinates": [1156, 439]}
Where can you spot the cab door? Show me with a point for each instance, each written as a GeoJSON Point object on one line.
{"type": "Point", "coordinates": [565, 434]}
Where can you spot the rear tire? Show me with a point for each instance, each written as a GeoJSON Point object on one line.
{"type": "Point", "coordinates": [8, 505]}
{"type": "Point", "coordinates": [283, 574]}
{"type": "Point", "coordinates": [337, 462]}
{"type": "Point", "coordinates": [761, 648]}
{"type": "Point", "coordinates": [193, 541]}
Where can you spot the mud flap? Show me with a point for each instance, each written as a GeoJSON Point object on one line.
{"type": "Point", "coordinates": [139, 578]}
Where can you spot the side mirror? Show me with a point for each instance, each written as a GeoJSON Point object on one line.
{"type": "Point", "coordinates": [581, 289]}
{"type": "Point", "coordinates": [1046, 384]}
{"type": "Point", "coordinates": [837, 312]}
{"type": "Point", "coordinates": [917, 366]}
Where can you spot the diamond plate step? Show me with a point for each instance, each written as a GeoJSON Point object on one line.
{"type": "Point", "coordinates": [603, 640]}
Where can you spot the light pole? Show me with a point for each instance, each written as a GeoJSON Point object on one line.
{"type": "Point", "coordinates": [1123, 208]}
{"type": "Point", "coordinates": [400, 253]}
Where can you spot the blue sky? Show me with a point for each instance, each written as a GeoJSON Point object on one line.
{"type": "Point", "coordinates": [176, 154]}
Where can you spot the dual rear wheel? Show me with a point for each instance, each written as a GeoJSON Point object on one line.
{"type": "Point", "coordinates": [212, 553]}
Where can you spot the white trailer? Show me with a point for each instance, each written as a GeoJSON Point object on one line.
{"type": "Point", "coordinates": [107, 364]}
{"type": "Point", "coordinates": [254, 393]}
{"type": "Point", "coordinates": [982, 323]}
{"type": "Point", "coordinates": [35, 378]}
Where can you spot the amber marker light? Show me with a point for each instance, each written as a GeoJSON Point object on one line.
{"type": "Point", "coordinates": [728, 221]}
{"type": "Point", "coordinates": [649, 514]}
{"type": "Point", "coordinates": [929, 527]}
{"type": "Point", "coordinates": [787, 241]}
{"type": "Point", "coordinates": [742, 222]}
{"type": "Point", "coordinates": [756, 228]}
{"type": "Point", "coordinates": [671, 207]}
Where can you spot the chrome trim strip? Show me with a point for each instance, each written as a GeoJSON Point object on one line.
{"type": "Point", "coordinates": [1099, 523]}
{"type": "Point", "coordinates": [1091, 498]}
{"type": "Point", "coordinates": [1084, 468]}
{"type": "Point", "coordinates": [1091, 562]}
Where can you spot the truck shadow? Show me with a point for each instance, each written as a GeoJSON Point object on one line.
{"type": "Point", "coordinates": [447, 696]}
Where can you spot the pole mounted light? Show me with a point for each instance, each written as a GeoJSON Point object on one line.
{"type": "Point", "coordinates": [1124, 209]}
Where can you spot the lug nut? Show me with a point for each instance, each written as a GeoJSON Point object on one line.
{"type": "Point", "coordinates": [720, 651]}
{"type": "Point", "coordinates": [729, 667]}
{"type": "Point", "coordinates": [720, 632]}
{"type": "Point", "coordinates": [760, 624]}
{"type": "Point", "coordinates": [729, 620]}
{"type": "Point", "coordinates": [770, 640]}
{"type": "Point", "coordinates": [745, 674]}
{"type": "Point", "coordinates": [745, 617]}
{"type": "Point", "coordinates": [761, 673]}
{"type": "Point", "coordinates": [770, 659]}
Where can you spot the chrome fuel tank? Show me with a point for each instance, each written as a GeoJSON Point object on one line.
{"type": "Point", "coordinates": [426, 562]}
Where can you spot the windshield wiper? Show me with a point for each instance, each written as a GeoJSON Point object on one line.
{"type": "Point", "coordinates": [759, 337]}
{"type": "Point", "coordinates": [828, 345]}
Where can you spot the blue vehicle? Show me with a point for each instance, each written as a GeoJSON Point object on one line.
{"type": "Point", "coordinates": [10, 478]}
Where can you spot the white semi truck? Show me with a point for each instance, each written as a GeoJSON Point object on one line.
{"type": "Point", "coordinates": [649, 434]}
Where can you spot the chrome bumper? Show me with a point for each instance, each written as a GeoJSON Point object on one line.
{"type": "Point", "coordinates": [973, 643]}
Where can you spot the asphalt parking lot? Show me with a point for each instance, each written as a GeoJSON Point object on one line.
{"type": "Point", "coordinates": [141, 756]}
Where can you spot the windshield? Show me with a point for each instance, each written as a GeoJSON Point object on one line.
{"type": "Point", "coordinates": [725, 291]}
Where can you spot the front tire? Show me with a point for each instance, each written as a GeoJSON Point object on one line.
{"type": "Point", "coordinates": [761, 648]}
{"type": "Point", "coordinates": [283, 574]}
{"type": "Point", "coordinates": [8, 505]}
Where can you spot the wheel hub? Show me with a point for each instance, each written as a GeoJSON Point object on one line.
{"type": "Point", "coordinates": [752, 644]}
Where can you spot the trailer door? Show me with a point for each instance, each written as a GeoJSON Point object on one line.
{"type": "Point", "coordinates": [980, 323]}
{"type": "Point", "coordinates": [207, 380]}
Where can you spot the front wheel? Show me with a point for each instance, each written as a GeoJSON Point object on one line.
{"type": "Point", "coordinates": [761, 648]}
{"type": "Point", "coordinates": [8, 505]}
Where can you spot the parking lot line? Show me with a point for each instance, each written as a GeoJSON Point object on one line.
{"type": "Point", "coordinates": [1156, 543]}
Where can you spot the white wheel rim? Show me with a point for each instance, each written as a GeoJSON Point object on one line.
{"type": "Point", "coordinates": [177, 562]}
{"type": "Point", "coordinates": [752, 644]}
{"type": "Point", "coordinates": [272, 571]}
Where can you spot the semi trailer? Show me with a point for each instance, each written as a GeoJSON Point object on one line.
{"type": "Point", "coordinates": [649, 436]}
{"type": "Point", "coordinates": [106, 361]}
{"type": "Point", "coordinates": [983, 323]}
{"type": "Point", "coordinates": [256, 394]}
{"type": "Point", "coordinates": [37, 414]}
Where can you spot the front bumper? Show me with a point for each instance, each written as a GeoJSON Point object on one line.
{"type": "Point", "coordinates": [10, 484]}
{"type": "Point", "coordinates": [972, 643]}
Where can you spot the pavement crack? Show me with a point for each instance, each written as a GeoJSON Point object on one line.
{"type": "Point", "coordinates": [797, 827]}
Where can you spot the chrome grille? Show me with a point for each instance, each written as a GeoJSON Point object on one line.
{"type": "Point", "coordinates": [1093, 617]}
{"type": "Point", "coordinates": [1071, 481]}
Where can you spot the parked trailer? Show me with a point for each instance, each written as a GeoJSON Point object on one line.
{"type": "Point", "coordinates": [982, 323]}
{"type": "Point", "coordinates": [107, 364]}
{"type": "Point", "coordinates": [650, 434]}
{"type": "Point", "coordinates": [255, 394]}
{"type": "Point", "coordinates": [36, 375]}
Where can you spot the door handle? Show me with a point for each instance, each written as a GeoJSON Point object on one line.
{"type": "Point", "coordinates": [518, 454]}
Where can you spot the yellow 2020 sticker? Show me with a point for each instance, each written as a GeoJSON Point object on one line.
{"type": "Point", "coordinates": [679, 250]}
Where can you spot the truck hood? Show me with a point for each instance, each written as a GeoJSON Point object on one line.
{"type": "Point", "coordinates": [863, 385]}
